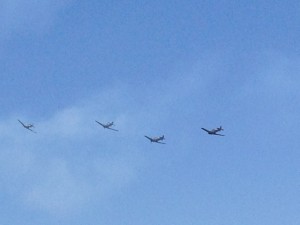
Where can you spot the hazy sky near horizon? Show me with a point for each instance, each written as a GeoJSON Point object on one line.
{"type": "Point", "coordinates": [153, 68]}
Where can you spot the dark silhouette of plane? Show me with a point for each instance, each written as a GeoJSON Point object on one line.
{"type": "Point", "coordinates": [214, 131]}
{"type": "Point", "coordinates": [27, 126]}
{"type": "Point", "coordinates": [107, 126]}
{"type": "Point", "coordinates": [157, 139]}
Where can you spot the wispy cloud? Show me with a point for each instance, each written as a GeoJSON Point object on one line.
{"type": "Point", "coordinates": [69, 160]}
{"type": "Point", "coordinates": [57, 189]}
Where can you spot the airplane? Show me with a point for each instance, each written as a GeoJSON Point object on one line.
{"type": "Point", "coordinates": [156, 139]}
{"type": "Point", "coordinates": [28, 126]}
{"type": "Point", "coordinates": [214, 131]}
{"type": "Point", "coordinates": [107, 126]}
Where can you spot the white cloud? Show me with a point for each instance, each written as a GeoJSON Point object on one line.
{"type": "Point", "coordinates": [71, 161]}
{"type": "Point", "coordinates": [57, 190]}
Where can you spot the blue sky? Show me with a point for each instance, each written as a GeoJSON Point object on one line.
{"type": "Point", "coordinates": [153, 68]}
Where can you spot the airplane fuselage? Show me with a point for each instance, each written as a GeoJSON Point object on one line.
{"type": "Point", "coordinates": [155, 139]}
{"type": "Point", "coordinates": [108, 125]}
{"type": "Point", "coordinates": [214, 131]}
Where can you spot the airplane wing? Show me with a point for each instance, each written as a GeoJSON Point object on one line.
{"type": "Point", "coordinates": [32, 130]}
{"type": "Point", "coordinates": [219, 134]}
{"type": "Point", "coordinates": [148, 138]}
{"type": "Point", "coordinates": [100, 123]}
{"type": "Point", "coordinates": [112, 129]}
{"type": "Point", "coordinates": [21, 123]}
{"type": "Point", "coordinates": [205, 130]}
{"type": "Point", "coordinates": [160, 142]}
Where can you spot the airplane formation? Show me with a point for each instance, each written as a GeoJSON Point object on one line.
{"type": "Point", "coordinates": [109, 125]}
